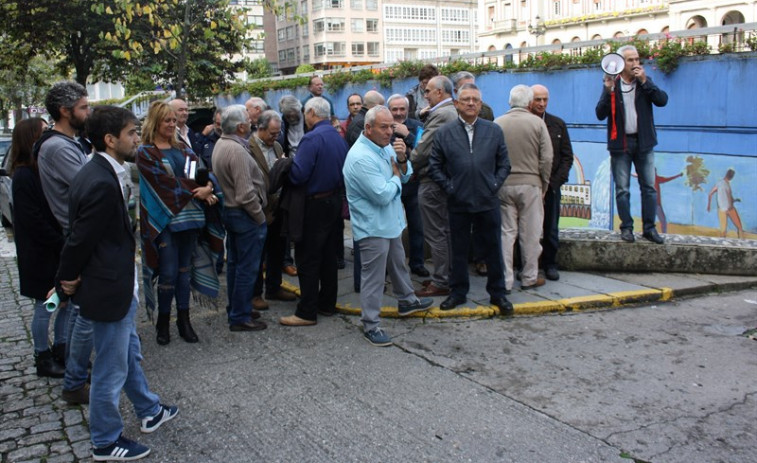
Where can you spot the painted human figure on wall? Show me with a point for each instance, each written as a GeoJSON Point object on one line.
{"type": "Point", "coordinates": [726, 204]}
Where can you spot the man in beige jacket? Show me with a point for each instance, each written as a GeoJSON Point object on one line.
{"type": "Point", "coordinates": [530, 151]}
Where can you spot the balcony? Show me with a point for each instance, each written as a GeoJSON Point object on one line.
{"type": "Point", "coordinates": [505, 26]}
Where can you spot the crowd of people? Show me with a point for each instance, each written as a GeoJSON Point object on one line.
{"type": "Point", "coordinates": [469, 188]}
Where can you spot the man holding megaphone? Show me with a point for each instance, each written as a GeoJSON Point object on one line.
{"type": "Point", "coordinates": [626, 103]}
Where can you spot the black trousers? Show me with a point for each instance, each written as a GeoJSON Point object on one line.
{"type": "Point", "coordinates": [551, 241]}
{"type": "Point", "coordinates": [316, 256]}
{"type": "Point", "coordinates": [487, 233]}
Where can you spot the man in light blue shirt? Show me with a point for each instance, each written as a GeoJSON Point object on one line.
{"type": "Point", "coordinates": [373, 175]}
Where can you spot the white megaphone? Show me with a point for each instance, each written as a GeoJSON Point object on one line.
{"type": "Point", "coordinates": [612, 64]}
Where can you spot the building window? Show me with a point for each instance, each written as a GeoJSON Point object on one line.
{"type": "Point", "coordinates": [255, 20]}
{"type": "Point", "coordinates": [371, 25]}
{"type": "Point", "coordinates": [457, 15]}
{"type": "Point", "coordinates": [318, 26]}
{"type": "Point", "coordinates": [330, 49]}
{"type": "Point", "coordinates": [409, 13]}
{"type": "Point", "coordinates": [281, 34]}
{"type": "Point", "coordinates": [291, 33]}
{"type": "Point", "coordinates": [456, 36]}
{"type": "Point", "coordinates": [557, 9]}
{"type": "Point", "coordinates": [304, 8]}
{"type": "Point", "coordinates": [334, 4]}
{"type": "Point", "coordinates": [305, 30]}
{"type": "Point", "coordinates": [358, 49]}
{"type": "Point", "coordinates": [403, 35]}
{"type": "Point", "coordinates": [371, 5]}
{"type": "Point", "coordinates": [356, 4]}
{"type": "Point", "coordinates": [317, 5]}
{"type": "Point", "coordinates": [357, 25]}
{"type": "Point", "coordinates": [282, 56]}
{"type": "Point", "coordinates": [306, 54]}
{"type": "Point", "coordinates": [373, 49]}
{"type": "Point", "coordinates": [334, 24]}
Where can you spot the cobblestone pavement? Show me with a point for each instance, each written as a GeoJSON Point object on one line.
{"type": "Point", "coordinates": [36, 425]}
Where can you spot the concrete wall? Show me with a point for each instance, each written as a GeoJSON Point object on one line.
{"type": "Point", "coordinates": [708, 126]}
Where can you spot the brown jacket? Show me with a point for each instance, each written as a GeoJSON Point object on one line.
{"type": "Point", "coordinates": [257, 154]}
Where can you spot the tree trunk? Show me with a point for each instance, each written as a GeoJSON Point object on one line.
{"type": "Point", "coordinates": [181, 67]}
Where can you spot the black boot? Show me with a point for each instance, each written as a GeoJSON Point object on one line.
{"type": "Point", "coordinates": [47, 366]}
{"type": "Point", "coordinates": [185, 327]}
{"type": "Point", "coordinates": [163, 328]}
{"type": "Point", "coordinates": [59, 354]}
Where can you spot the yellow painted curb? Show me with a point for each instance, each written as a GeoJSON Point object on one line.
{"type": "Point", "coordinates": [638, 295]}
{"type": "Point", "coordinates": [667, 294]}
{"type": "Point", "coordinates": [538, 307]}
{"type": "Point", "coordinates": [587, 302]}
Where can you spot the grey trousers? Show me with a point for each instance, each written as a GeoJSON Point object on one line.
{"type": "Point", "coordinates": [377, 256]}
{"type": "Point", "coordinates": [433, 201]}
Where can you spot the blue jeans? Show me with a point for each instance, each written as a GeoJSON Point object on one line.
{"type": "Point", "coordinates": [245, 239]}
{"type": "Point", "coordinates": [41, 325]}
{"type": "Point", "coordinates": [78, 349]}
{"type": "Point", "coordinates": [117, 366]}
{"type": "Point", "coordinates": [414, 223]}
{"type": "Point", "coordinates": [620, 163]}
{"type": "Point", "coordinates": [175, 251]}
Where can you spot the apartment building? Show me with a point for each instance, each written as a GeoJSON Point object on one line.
{"type": "Point", "coordinates": [253, 11]}
{"type": "Point", "coordinates": [340, 33]}
{"type": "Point", "coordinates": [521, 23]}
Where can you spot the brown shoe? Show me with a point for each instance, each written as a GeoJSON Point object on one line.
{"type": "Point", "coordinates": [432, 291]}
{"type": "Point", "coordinates": [481, 269]}
{"type": "Point", "coordinates": [294, 320]}
{"type": "Point", "coordinates": [76, 396]}
{"type": "Point", "coordinates": [251, 325]}
{"type": "Point", "coordinates": [258, 303]}
{"type": "Point", "coordinates": [290, 270]}
{"type": "Point", "coordinates": [539, 282]}
{"type": "Point", "coordinates": [282, 295]}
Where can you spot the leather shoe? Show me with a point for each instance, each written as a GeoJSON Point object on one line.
{"type": "Point", "coordinates": [627, 235]}
{"type": "Point", "coordinates": [481, 269]}
{"type": "Point", "coordinates": [258, 303]}
{"type": "Point", "coordinates": [282, 295]}
{"type": "Point", "coordinates": [327, 312]}
{"type": "Point", "coordinates": [76, 396]}
{"type": "Point", "coordinates": [432, 291]}
{"type": "Point", "coordinates": [652, 236]}
{"type": "Point", "coordinates": [552, 274]}
{"type": "Point", "coordinates": [452, 302]}
{"type": "Point", "coordinates": [294, 320]}
{"type": "Point", "coordinates": [254, 315]}
{"type": "Point", "coordinates": [251, 325]}
{"type": "Point", "coordinates": [290, 270]}
{"type": "Point", "coordinates": [420, 271]}
{"type": "Point", "coordinates": [539, 282]}
{"type": "Point", "coordinates": [505, 307]}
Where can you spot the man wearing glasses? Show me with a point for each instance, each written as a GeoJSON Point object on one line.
{"type": "Point", "coordinates": [469, 162]}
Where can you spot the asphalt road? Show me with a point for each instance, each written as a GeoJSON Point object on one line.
{"type": "Point", "coordinates": [676, 382]}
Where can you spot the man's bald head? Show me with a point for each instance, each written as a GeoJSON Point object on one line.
{"type": "Point", "coordinates": [538, 105]}
{"type": "Point", "coordinates": [182, 111]}
{"type": "Point", "coordinates": [372, 98]}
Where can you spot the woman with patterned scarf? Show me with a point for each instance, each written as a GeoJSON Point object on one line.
{"type": "Point", "coordinates": [172, 218]}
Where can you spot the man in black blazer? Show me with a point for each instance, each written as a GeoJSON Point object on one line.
{"type": "Point", "coordinates": [97, 269]}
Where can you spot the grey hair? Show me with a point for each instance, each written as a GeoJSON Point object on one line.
{"type": "Point", "coordinates": [397, 96]}
{"type": "Point", "coordinates": [266, 117]}
{"type": "Point", "coordinates": [462, 75]}
{"type": "Point", "coordinates": [63, 94]}
{"type": "Point", "coordinates": [370, 116]}
{"type": "Point", "coordinates": [521, 96]}
{"type": "Point", "coordinates": [321, 108]}
{"type": "Point", "coordinates": [626, 48]}
{"type": "Point", "coordinates": [443, 83]}
{"type": "Point", "coordinates": [231, 117]}
{"type": "Point", "coordinates": [373, 98]}
{"type": "Point", "coordinates": [289, 103]}
{"type": "Point", "coordinates": [257, 102]}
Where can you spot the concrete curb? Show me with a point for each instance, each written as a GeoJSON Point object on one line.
{"type": "Point", "coordinates": [572, 304]}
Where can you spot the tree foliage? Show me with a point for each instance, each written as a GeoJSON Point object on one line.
{"type": "Point", "coordinates": [193, 44]}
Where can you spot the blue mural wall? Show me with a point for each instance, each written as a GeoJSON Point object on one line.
{"type": "Point", "coordinates": [708, 127]}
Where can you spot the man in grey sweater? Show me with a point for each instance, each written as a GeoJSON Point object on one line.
{"type": "Point", "coordinates": [521, 197]}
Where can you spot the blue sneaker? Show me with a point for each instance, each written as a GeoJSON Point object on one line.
{"type": "Point", "coordinates": [378, 338]}
{"type": "Point", "coordinates": [404, 309]}
{"type": "Point", "coordinates": [121, 450]}
{"type": "Point", "coordinates": [152, 423]}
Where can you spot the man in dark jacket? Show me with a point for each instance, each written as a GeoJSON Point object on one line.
{"type": "Point", "coordinates": [626, 103]}
{"type": "Point", "coordinates": [98, 269]}
{"type": "Point", "coordinates": [562, 161]}
{"type": "Point", "coordinates": [469, 162]}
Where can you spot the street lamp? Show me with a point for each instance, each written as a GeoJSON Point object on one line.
{"type": "Point", "coordinates": [537, 29]}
